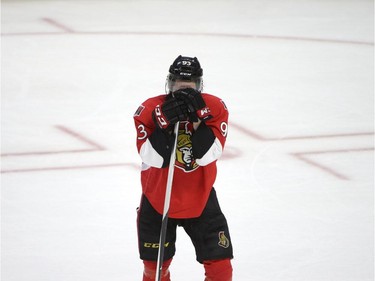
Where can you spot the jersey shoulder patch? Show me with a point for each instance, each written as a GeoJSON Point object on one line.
{"type": "Point", "coordinates": [139, 111]}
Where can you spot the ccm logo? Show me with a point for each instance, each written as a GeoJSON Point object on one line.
{"type": "Point", "coordinates": [158, 114]}
{"type": "Point", "coordinates": [154, 245]}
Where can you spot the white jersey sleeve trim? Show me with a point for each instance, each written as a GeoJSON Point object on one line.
{"type": "Point", "coordinates": [212, 154]}
{"type": "Point", "coordinates": [150, 156]}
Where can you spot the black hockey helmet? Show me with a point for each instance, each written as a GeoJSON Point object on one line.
{"type": "Point", "coordinates": [187, 69]}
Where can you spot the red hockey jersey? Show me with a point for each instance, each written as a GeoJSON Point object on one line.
{"type": "Point", "coordinates": [193, 178]}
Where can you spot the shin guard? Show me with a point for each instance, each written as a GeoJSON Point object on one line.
{"type": "Point", "coordinates": [218, 270]}
{"type": "Point", "coordinates": [149, 272]}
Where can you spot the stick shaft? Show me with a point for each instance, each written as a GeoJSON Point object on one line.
{"type": "Point", "coordinates": [167, 200]}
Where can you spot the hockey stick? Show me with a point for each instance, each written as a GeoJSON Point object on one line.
{"type": "Point", "coordinates": [167, 199]}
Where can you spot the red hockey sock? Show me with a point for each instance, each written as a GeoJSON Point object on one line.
{"type": "Point", "coordinates": [218, 270]}
{"type": "Point", "coordinates": [149, 272]}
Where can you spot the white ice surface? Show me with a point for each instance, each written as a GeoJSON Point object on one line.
{"type": "Point", "coordinates": [296, 179]}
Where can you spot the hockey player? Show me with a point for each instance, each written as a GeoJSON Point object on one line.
{"type": "Point", "coordinates": [194, 206]}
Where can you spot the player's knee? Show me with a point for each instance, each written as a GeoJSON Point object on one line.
{"type": "Point", "coordinates": [218, 270]}
{"type": "Point", "coordinates": [149, 272]}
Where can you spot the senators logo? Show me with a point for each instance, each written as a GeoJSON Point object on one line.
{"type": "Point", "coordinates": [223, 240]}
{"type": "Point", "coordinates": [184, 152]}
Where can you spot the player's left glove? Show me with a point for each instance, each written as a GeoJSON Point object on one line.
{"type": "Point", "coordinates": [193, 99]}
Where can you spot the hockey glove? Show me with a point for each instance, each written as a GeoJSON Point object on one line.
{"type": "Point", "coordinates": [195, 103]}
{"type": "Point", "coordinates": [204, 114]}
{"type": "Point", "coordinates": [168, 113]}
{"type": "Point", "coordinates": [193, 100]}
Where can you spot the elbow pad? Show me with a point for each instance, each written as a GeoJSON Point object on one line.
{"type": "Point", "coordinates": [202, 140]}
{"type": "Point", "coordinates": [162, 142]}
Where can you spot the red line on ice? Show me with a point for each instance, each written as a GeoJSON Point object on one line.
{"type": "Point", "coordinates": [320, 166]}
{"type": "Point", "coordinates": [301, 156]}
{"type": "Point", "coordinates": [67, 30]}
{"type": "Point", "coordinates": [45, 169]}
{"type": "Point", "coordinates": [58, 25]}
{"type": "Point", "coordinates": [93, 145]}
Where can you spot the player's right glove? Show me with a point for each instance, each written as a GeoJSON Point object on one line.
{"type": "Point", "coordinates": [169, 112]}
